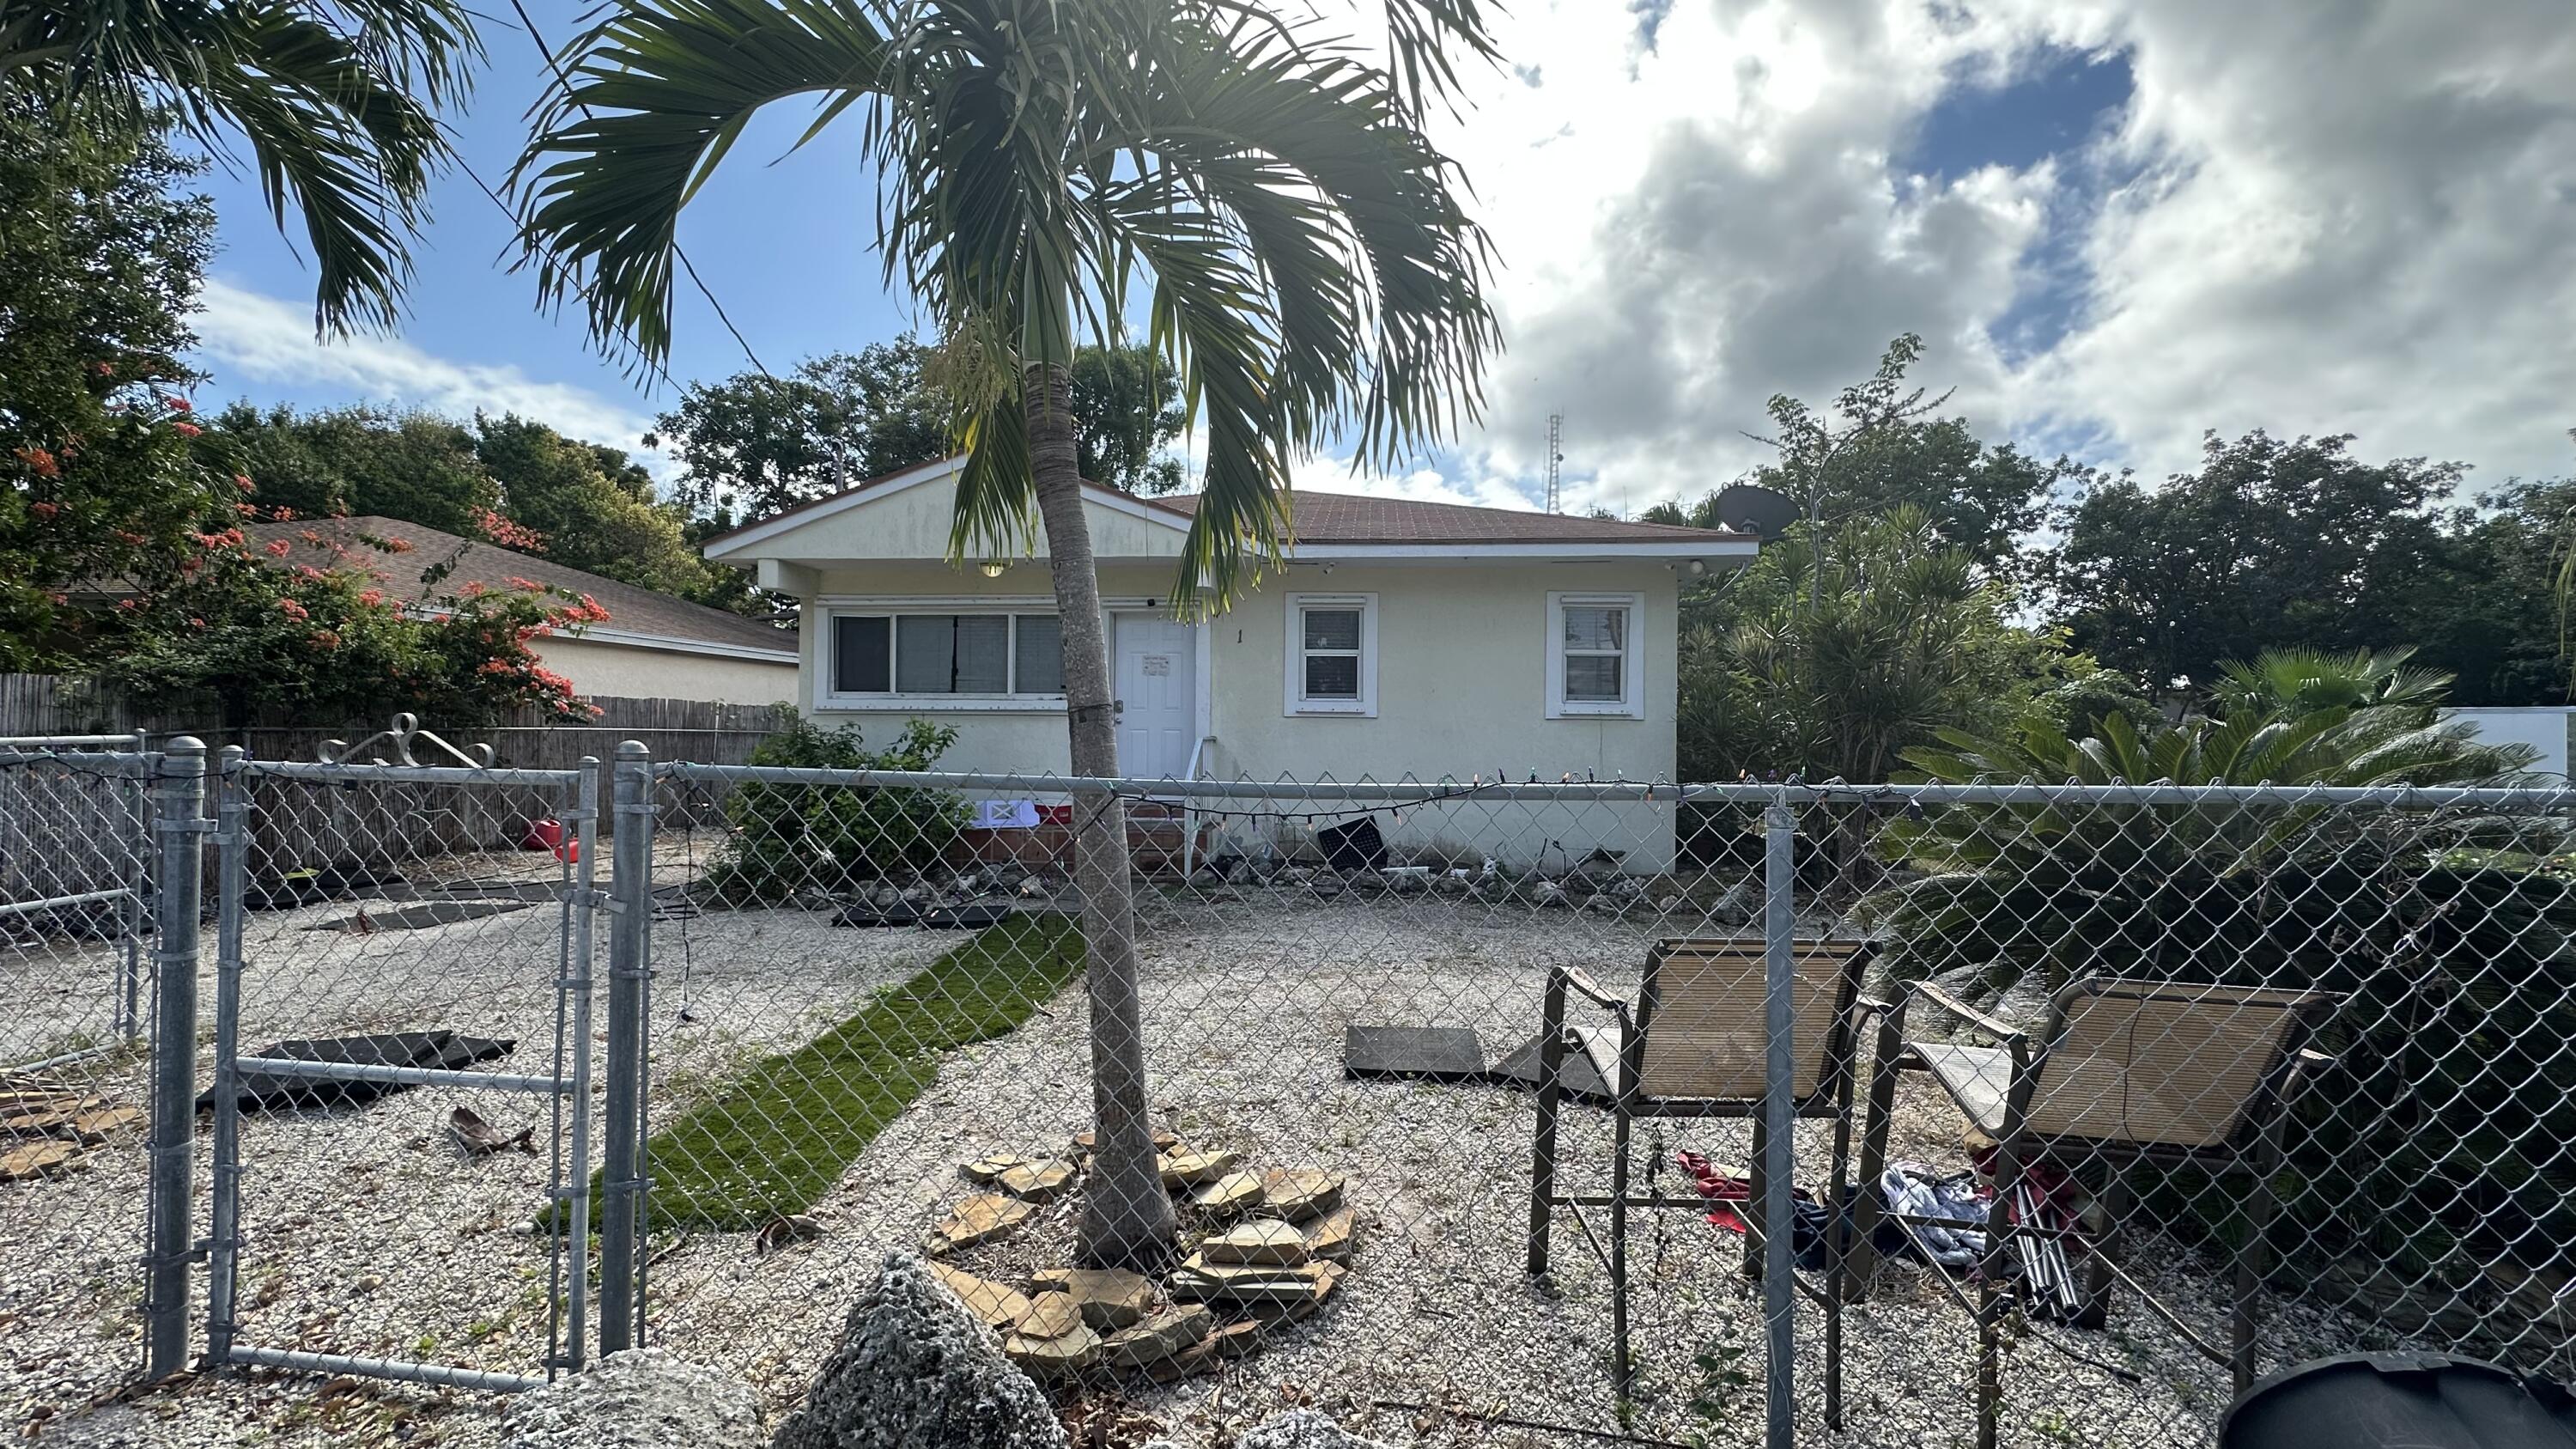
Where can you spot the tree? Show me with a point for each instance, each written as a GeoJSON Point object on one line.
{"type": "Point", "coordinates": [1313, 276]}
{"type": "Point", "coordinates": [338, 104]}
{"type": "Point", "coordinates": [300, 628]}
{"type": "Point", "coordinates": [1126, 410]}
{"type": "Point", "coordinates": [104, 251]}
{"type": "Point", "coordinates": [2295, 544]}
{"type": "Point", "coordinates": [416, 466]}
{"type": "Point", "coordinates": [755, 445]}
{"type": "Point", "coordinates": [1889, 452]}
{"type": "Point", "coordinates": [1830, 662]}
{"type": "Point", "coordinates": [591, 506]}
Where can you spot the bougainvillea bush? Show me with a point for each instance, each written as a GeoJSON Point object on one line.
{"type": "Point", "coordinates": [303, 624]}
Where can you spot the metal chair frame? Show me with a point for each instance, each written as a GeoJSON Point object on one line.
{"type": "Point", "coordinates": [1831, 1099]}
{"type": "Point", "coordinates": [2253, 1145]}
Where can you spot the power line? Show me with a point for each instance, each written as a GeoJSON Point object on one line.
{"type": "Point", "coordinates": [564, 81]}
{"type": "Point", "coordinates": [658, 370]}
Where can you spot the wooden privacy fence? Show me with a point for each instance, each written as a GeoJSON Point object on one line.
{"type": "Point", "coordinates": [62, 833]}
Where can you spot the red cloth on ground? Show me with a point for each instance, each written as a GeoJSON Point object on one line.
{"type": "Point", "coordinates": [1717, 1187]}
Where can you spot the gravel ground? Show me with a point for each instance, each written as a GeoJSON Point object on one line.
{"type": "Point", "coordinates": [370, 1234]}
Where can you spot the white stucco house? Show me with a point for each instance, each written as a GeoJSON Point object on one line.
{"type": "Point", "coordinates": [1401, 640]}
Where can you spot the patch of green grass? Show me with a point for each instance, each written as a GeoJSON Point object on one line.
{"type": "Point", "coordinates": [777, 1138]}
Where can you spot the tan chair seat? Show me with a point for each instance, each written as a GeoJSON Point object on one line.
{"type": "Point", "coordinates": [1975, 1077]}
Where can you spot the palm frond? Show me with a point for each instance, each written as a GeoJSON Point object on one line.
{"type": "Point", "coordinates": [338, 107]}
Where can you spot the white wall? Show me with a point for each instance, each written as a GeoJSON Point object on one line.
{"type": "Point", "coordinates": [2543, 727]}
{"type": "Point", "coordinates": [597, 667]}
{"type": "Point", "coordinates": [1461, 690]}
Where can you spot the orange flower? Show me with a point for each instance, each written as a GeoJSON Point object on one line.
{"type": "Point", "coordinates": [41, 461]}
{"type": "Point", "coordinates": [186, 430]}
{"type": "Point", "coordinates": [44, 510]}
{"type": "Point", "coordinates": [242, 482]}
{"type": "Point", "coordinates": [293, 610]}
{"type": "Point", "coordinates": [278, 547]}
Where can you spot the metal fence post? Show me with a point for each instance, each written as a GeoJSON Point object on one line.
{"type": "Point", "coordinates": [630, 927]}
{"type": "Point", "coordinates": [232, 873]}
{"type": "Point", "coordinates": [179, 830]}
{"type": "Point", "coordinates": [1779, 923]}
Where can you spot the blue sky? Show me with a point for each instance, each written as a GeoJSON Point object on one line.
{"type": "Point", "coordinates": [2116, 223]}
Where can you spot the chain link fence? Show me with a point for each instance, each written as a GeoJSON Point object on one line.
{"type": "Point", "coordinates": [76, 913]}
{"type": "Point", "coordinates": [2091, 1101]}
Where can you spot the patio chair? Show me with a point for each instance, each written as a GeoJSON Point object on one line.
{"type": "Point", "coordinates": [2121, 1072]}
{"type": "Point", "coordinates": [1693, 1045]}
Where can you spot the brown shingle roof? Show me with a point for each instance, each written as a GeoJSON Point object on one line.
{"type": "Point", "coordinates": [631, 609]}
{"type": "Point", "coordinates": [1358, 518]}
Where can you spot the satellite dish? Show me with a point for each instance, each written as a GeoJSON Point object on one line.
{"type": "Point", "coordinates": [1763, 512]}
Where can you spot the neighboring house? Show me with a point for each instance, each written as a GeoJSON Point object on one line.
{"type": "Point", "coordinates": [1402, 640]}
{"type": "Point", "coordinates": [652, 646]}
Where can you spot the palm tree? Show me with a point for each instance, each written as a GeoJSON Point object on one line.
{"type": "Point", "coordinates": [1313, 276]}
{"type": "Point", "coordinates": [338, 103]}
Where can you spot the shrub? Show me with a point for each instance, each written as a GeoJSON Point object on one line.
{"type": "Point", "coordinates": [789, 837]}
{"type": "Point", "coordinates": [2439, 1130]}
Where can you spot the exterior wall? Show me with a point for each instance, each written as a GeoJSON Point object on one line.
{"type": "Point", "coordinates": [1460, 683]}
{"type": "Point", "coordinates": [597, 667]}
{"type": "Point", "coordinates": [2548, 728]}
{"type": "Point", "coordinates": [1020, 738]}
{"type": "Point", "coordinates": [911, 526]}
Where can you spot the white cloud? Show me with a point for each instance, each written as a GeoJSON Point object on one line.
{"type": "Point", "coordinates": [2317, 219]}
{"type": "Point", "coordinates": [250, 335]}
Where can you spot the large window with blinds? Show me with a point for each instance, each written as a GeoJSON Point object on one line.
{"type": "Point", "coordinates": [885, 655]}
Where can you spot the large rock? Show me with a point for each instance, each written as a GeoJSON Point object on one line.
{"type": "Point", "coordinates": [915, 1367]}
{"type": "Point", "coordinates": [644, 1398]}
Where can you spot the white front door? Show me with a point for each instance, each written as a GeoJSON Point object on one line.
{"type": "Point", "coordinates": [1155, 680]}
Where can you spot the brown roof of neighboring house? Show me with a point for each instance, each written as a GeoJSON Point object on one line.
{"type": "Point", "coordinates": [1360, 518]}
{"type": "Point", "coordinates": [631, 608]}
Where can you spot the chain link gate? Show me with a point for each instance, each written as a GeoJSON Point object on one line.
{"type": "Point", "coordinates": [383, 928]}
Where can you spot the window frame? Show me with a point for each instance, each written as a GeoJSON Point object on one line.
{"type": "Point", "coordinates": [829, 695]}
{"type": "Point", "coordinates": [1631, 703]}
{"type": "Point", "coordinates": [1296, 704]}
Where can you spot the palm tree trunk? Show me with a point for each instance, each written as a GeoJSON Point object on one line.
{"type": "Point", "coordinates": [1127, 1217]}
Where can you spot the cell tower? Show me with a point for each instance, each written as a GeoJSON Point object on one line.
{"type": "Point", "coordinates": [1555, 460]}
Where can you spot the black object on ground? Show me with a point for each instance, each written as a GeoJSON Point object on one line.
{"type": "Point", "coordinates": [900, 913]}
{"type": "Point", "coordinates": [414, 917]}
{"type": "Point", "coordinates": [973, 916]}
{"type": "Point", "coordinates": [1354, 846]}
{"type": "Point", "coordinates": [1429, 1053]}
{"type": "Point", "coordinates": [2387, 1400]}
{"type": "Point", "coordinates": [1582, 1078]}
{"type": "Point", "coordinates": [446, 1050]}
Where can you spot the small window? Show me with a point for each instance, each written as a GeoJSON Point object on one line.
{"type": "Point", "coordinates": [1592, 655]}
{"type": "Point", "coordinates": [1332, 654]}
{"type": "Point", "coordinates": [989, 656]}
{"type": "Point", "coordinates": [1038, 654]}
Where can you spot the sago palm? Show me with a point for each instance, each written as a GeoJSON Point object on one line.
{"type": "Point", "coordinates": [1262, 186]}
{"type": "Point", "coordinates": [337, 103]}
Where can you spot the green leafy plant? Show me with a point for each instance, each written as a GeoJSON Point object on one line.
{"type": "Point", "coordinates": [2433, 1131]}
{"type": "Point", "coordinates": [300, 624]}
{"type": "Point", "coordinates": [791, 837]}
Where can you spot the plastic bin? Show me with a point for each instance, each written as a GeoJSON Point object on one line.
{"type": "Point", "coordinates": [2401, 1401]}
